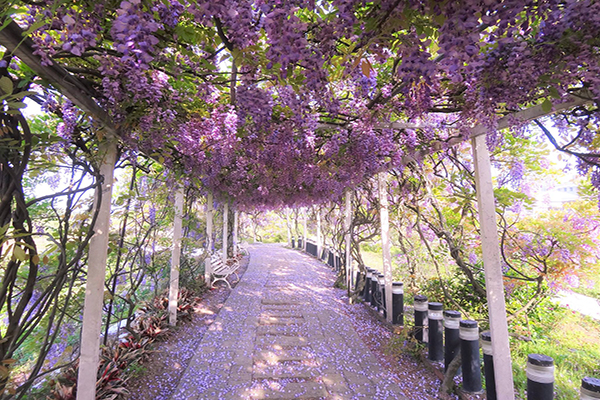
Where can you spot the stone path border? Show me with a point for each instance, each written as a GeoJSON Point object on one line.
{"type": "Point", "coordinates": [282, 335]}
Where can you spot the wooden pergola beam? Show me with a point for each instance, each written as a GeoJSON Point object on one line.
{"type": "Point", "coordinates": [582, 98]}
{"type": "Point", "coordinates": [13, 39]}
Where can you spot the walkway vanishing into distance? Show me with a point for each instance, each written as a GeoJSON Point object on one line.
{"type": "Point", "coordinates": [282, 335]}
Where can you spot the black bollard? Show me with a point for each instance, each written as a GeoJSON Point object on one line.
{"type": "Point", "coordinates": [590, 388]}
{"type": "Point", "coordinates": [398, 303]}
{"type": "Point", "coordinates": [469, 351]}
{"type": "Point", "coordinates": [540, 377]}
{"type": "Point", "coordinates": [357, 282]}
{"type": "Point", "coordinates": [381, 280]}
{"type": "Point", "coordinates": [293, 242]}
{"type": "Point", "coordinates": [367, 291]}
{"type": "Point", "coordinates": [420, 316]}
{"type": "Point", "coordinates": [374, 289]}
{"type": "Point", "coordinates": [366, 294]}
{"type": "Point", "coordinates": [488, 365]}
{"type": "Point", "coordinates": [451, 325]}
{"type": "Point", "coordinates": [436, 332]}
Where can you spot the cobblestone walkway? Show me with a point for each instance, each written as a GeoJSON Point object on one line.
{"type": "Point", "coordinates": [282, 335]}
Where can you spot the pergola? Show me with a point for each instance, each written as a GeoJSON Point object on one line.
{"type": "Point", "coordinates": [11, 37]}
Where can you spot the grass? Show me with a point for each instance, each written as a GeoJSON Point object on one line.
{"type": "Point", "coordinates": [573, 340]}
{"type": "Point", "coordinates": [372, 259]}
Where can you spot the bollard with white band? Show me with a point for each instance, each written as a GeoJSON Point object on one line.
{"type": "Point", "coordinates": [367, 290]}
{"type": "Point", "coordinates": [488, 365]}
{"type": "Point", "coordinates": [382, 301]}
{"type": "Point", "coordinates": [451, 325]}
{"type": "Point", "coordinates": [436, 332]}
{"type": "Point", "coordinates": [590, 388]}
{"type": "Point", "coordinates": [540, 377]}
{"type": "Point", "coordinates": [379, 302]}
{"type": "Point", "coordinates": [469, 351]}
{"type": "Point", "coordinates": [421, 307]}
{"type": "Point", "coordinates": [398, 303]}
{"type": "Point", "coordinates": [374, 289]}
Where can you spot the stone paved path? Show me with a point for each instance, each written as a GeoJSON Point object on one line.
{"type": "Point", "coordinates": [282, 335]}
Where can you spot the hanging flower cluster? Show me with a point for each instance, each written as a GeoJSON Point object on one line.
{"type": "Point", "coordinates": [298, 116]}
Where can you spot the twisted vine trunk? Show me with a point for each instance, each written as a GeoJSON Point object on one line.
{"type": "Point", "coordinates": [21, 270]}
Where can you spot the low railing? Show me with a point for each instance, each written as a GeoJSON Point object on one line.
{"type": "Point", "coordinates": [446, 335]}
{"type": "Point", "coordinates": [328, 254]}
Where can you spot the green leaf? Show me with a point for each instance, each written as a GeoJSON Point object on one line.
{"type": "Point", "coordinates": [17, 105]}
{"type": "Point", "coordinates": [37, 25]}
{"type": "Point", "coordinates": [6, 85]}
{"type": "Point", "coordinates": [19, 253]}
{"type": "Point", "coordinates": [553, 92]}
{"type": "Point", "coordinates": [24, 93]}
{"type": "Point", "coordinates": [547, 106]}
{"type": "Point", "coordinates": [3, 229]}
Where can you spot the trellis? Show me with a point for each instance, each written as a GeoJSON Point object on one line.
{"type": "Point", "coordinates": [11, 37]}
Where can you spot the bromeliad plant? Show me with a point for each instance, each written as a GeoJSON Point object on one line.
{"type": "Point", "coordinates": [150, 325]}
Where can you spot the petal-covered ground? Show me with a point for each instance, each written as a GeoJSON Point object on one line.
{"type": "Point", "coordinates": [283, 332]}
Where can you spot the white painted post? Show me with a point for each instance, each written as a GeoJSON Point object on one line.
{"type": "Point", "coordinates": [319, 234]}
{"type": "Point", "coordinates": [225, 229]}
{"type": "Point", "coordinates": [347, 223]}
{"type": "Point", "coordinates": [493, 269]}
{"type": "Point", "coordinates": [236, 217]}
{"type": "Point", "coordinates": [209, 232]}
{"type": "Point", "coordinates": [175, 257]}
{"type": "Point", "coordinates": [287, 224]}
{"type": "Point", "coordinates": [94, 288]}
{"type": "Point", "coordinates": [384, 215]}
{"type": "Point", "coordinates": [305, 226]}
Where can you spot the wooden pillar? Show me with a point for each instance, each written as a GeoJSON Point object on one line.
{"type": "Point", "coordinates": [319, 234]}
{"type": "Point", "coordinates": [348, 239]}
{"type": "Point", "coordinates": [236, 227]}
{"type": "Point", "coordinates": [289, 229]}
{"type": "Point", "coordinates": [225, 229]}
{"type": "Point", "coordinates": [175, 257]}
{"type": "Point", "coordinates": [305, 227]}
{"type": "Point", "coordinates": [94, 288]}
{"type": "Point", "coordinates": [384, 215]}
{"type": "Point", "coordinates": [493, 270]}
{"type": "Point", "coordinates": [209, 232]}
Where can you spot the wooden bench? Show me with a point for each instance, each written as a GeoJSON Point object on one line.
{"type": "Point", "coordinates": [221, 271]}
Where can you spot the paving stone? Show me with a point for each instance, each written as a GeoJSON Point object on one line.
{"type": "Point", "coordinates": [282, 335]}
{"type": "Point", "coordinates": [283, 355]}
{"type": "Point", "coordinates": [283, 341]}
{"type": "Point", "coordinates": [335, 383]}
{"type": "Point", "coordinates": [282, 302]}
{"type": "Point", "coordinates": [291, 390]}
{"type": "Point", "coordinates": [282, 307]}
{"type": "Point", "coordinates": [283, 330]}
{"type": "Point", "coordinates": [281, 314]}
{"type": "Point", "coordinates": [280, 321]}
{"type": "Point", "coordinates": [283, 372]}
